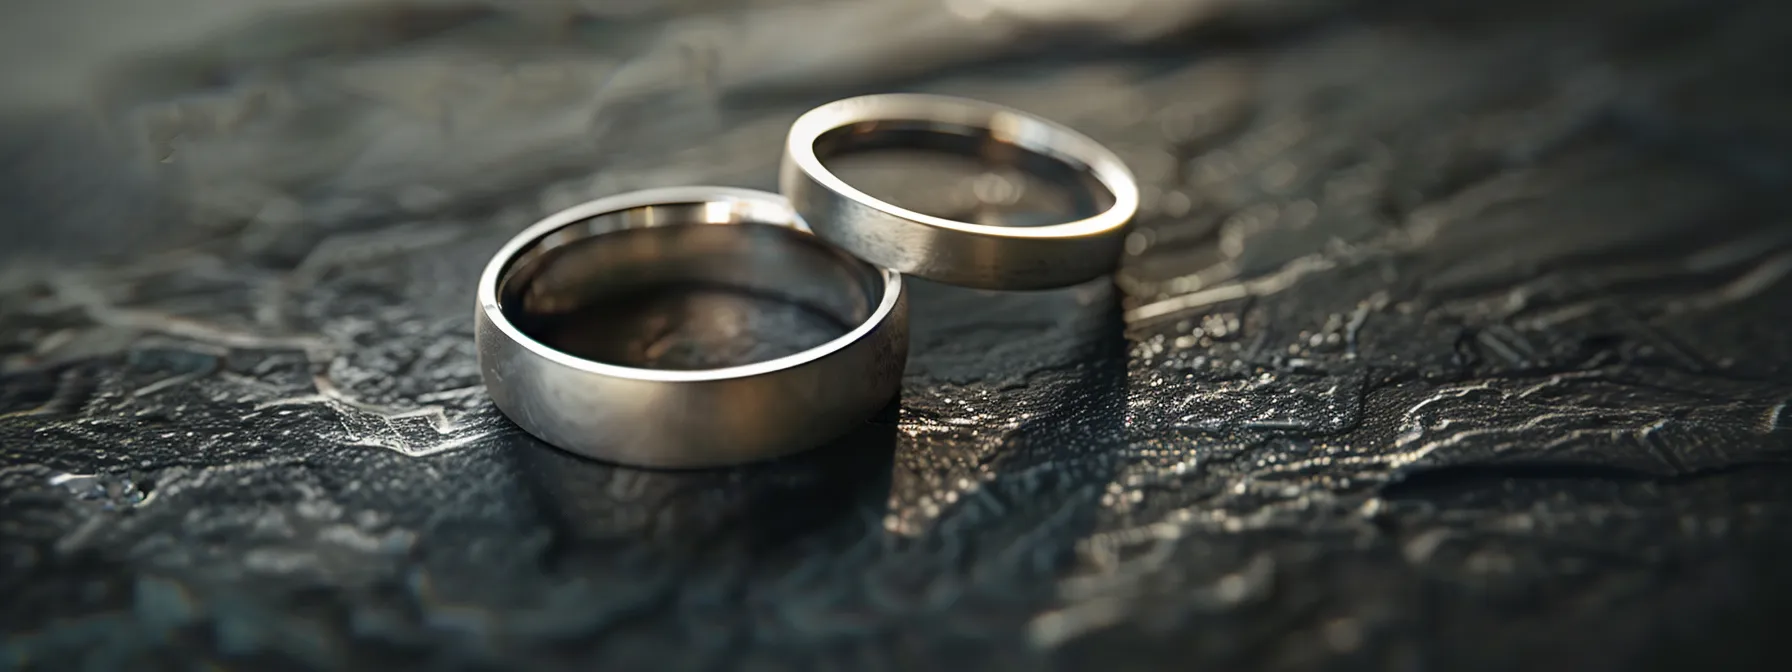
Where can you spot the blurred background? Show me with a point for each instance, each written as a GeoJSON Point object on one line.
{"type": "Point", "coordinates": [1448, 337]}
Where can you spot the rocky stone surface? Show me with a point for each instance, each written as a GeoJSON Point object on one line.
{"type": "Point", "coordinates": [1450, 338]}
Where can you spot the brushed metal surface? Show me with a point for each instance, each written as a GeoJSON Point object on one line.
{"type": "Point", "coordinates": [937, 248]}
{"type": "Point", "coordinates": [711, 417]}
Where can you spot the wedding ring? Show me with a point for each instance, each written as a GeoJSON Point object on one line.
{"type": "Point", "coordinates": [961, 253]}
{"type": "Point", "coordinates": [745, 240]}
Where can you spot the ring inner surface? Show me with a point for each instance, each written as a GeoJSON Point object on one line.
{"type": "Point", "coordinates": [645, 288]}
{"type": "Point", "coordinates": [962, 173]}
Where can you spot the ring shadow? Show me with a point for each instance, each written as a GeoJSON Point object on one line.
{"type": "Point", "coordinates": [743, 514]}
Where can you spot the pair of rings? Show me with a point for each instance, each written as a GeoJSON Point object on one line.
{"type": "Point", "coordinates": [823, 244]}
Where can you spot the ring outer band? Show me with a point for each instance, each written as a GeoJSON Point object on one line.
{"type": "Point", "coordinates": [950, 251]}
{"type": "Point", "coordinates": [687, 418]}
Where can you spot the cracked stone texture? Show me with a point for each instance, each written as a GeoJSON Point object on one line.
{"type": "Point", "coordinates": [1449, 338]}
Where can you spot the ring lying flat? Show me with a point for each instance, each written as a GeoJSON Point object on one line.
{"type": "Point", "coordinates": [961, 253]}
{"type": "Point", "coordinates": [686, 418]}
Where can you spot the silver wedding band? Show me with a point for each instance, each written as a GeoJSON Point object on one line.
{"type": "Point", "coordinates": [686, 418]}
{"type": "Point", "coordinates": [955, 252]}
{"type": "Point", "coordinates": [829, 247]}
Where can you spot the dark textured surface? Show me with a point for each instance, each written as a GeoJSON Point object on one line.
{"type": "Point", "coordinates": [1451, 339]}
